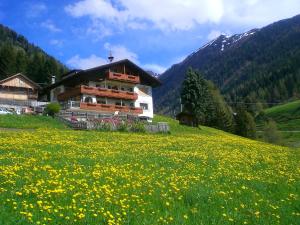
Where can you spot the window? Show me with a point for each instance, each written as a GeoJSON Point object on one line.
{"type": "Point", "coordinates": [101, 101]}
{"type": "Point", "coordinates": [130, 89]}
{"type": "Point", "coordinates": [88, 100]}
{"type": "Point", "coordinates": [144, 106]}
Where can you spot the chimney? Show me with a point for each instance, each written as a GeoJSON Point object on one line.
{"type": "Point", "coordinates": [110, 57]}
{"type": "Point", "coordinates": [53, 79]}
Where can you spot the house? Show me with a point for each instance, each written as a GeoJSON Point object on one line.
{"type": "Point", "coordinates": [187, 119]}
{"type": "Point", "coordinates": [18, 91]}
{"type": "Point", "coordinates": [120, 87]}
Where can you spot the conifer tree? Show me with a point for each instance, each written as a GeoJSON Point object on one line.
{"type": "Point", "coordinates": [196, 98]}
{"type": "Point", "coordinates": [245, 124]}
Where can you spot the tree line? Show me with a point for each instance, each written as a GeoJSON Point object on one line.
{"type": "Point", "coordinates": [203, 100]}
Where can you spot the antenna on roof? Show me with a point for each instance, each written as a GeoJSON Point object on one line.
{"type": "Point", "coordinates": [110, 57]}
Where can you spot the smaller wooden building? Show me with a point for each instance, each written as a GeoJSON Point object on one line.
{"type": "Point", "coordinates": [18, 88]}
{"type": "Point", "coordinates": [187, 119]}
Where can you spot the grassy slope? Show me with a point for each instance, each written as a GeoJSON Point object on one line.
{"type": "Point", "coordinates": [29, 122]}
{"type": "Point", "coordinates": [191, 176]}
{"type": "Point", "coordinates": [287, 117]}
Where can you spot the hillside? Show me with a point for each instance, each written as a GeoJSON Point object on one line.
{"type": "Point", "coordinates": [287, 117]}
{"type": "Point", "coordinates": [191, 176]}
{"type": "Point", "coordinates": [18, 55]}
{"type": "Point", "coordinates": [261, 65]}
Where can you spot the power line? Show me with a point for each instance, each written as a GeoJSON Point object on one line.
{"type": "Point", "coordinates": [254, 103]}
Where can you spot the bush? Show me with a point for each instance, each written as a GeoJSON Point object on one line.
{"type": "Point", "coordinates": [52, 109]}
{"type": "Point", "coordinates": [271, 133]}
{"type": "Point", "coordinates": [138, 127]}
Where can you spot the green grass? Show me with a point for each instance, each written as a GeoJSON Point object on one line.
{"type": "Point", "coordinates": [287, 117]}
{"type": "Point", "coordinates": [29, 122]}
{"type": "Point", "coordinates": [283, 112]}
{"type": "Point", "coordinates": [190, 176]}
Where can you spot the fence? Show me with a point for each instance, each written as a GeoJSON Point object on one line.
{"type": "Point", "coordinates": [160, 127]}
{"type": "Point", "coordinates": [113, 124]}
{"type": "Point", "coordinates": [14, 102]}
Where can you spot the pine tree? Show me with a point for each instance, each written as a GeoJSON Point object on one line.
{"type": "Point", "coordinates": [196, 98]}
{"type": "Point", "coordinates": [245, 124]}
{"type": "Point", "coordinates": [223, 114]}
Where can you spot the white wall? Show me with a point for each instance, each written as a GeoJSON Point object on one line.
{"type": "Point", "coordinates": [144, 98]}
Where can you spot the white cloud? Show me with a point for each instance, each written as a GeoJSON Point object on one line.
{"type": "Point", "coordinates": [35, 10]}
{"type": "Point", "coordinates": [184, 15]}
{"type": "Point", "coordinates": [214, 34]}
{"type": "Point", "coordinates": [257, 13]}
{"type": "Point", "coordinates": [48, 24]}
{"type": "Point", "coordinates": [86, 63]}
{"type": "Point", "coordinates": [155, 68]}
{"type": "Point", "coordinates": [120, 52]}
{"type": "Point", "coordinates": [56, 42]}
{"type": "Point", "coordinates": [98, 31]}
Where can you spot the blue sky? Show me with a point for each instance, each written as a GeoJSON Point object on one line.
{"type": "Point", "coordinates": [153, 33]}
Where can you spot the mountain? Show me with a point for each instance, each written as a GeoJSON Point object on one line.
{"type": "Point", "coordinates": [18, 55]}
{"type": "Point", "coordinates": [153, 74]}
{"type": "Point", "coordinates": [261, 65]}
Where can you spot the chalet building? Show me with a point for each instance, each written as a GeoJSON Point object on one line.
{"type": "Point", "coordinates": [187, 119]}
{"type": "Point", "coordinates": [116, 88]}
{"type": "Point", "coordinates": [17, 91]}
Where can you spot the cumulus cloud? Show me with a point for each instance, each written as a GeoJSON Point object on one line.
{"type": "Point", "coordinates": [48, 24]}
{"type": "Point", "coordinates": [98, 30]}
{"type": "Point", "coordinates": [118, 51]}
{"type": "Point", "coordinates": [214, 34]}
{"type": "Point", "coordinates": [155, 68]}
{"type": "Point", "coordinates": [184, 15]}
{"type": "Point", "coordinates": [86, 63]}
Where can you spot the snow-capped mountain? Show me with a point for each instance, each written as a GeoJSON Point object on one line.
{"type": "Point", "coordinates": [260, 64]}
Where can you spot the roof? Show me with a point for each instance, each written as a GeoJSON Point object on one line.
{"type": "Point", "coordinates": [84, 75]}
{"type": "Point", "coordinates": [24, 77]}
{"type": "Point", "coordinates": [184, 113]}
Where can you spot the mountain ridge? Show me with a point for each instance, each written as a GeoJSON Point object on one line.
{"type": "Point", "coordinates": [239, 63]}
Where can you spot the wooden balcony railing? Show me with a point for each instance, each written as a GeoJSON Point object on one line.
{"type": "Point", "coordinates": [110, 108]}
{"type": "Point", "coordinates": [123, 77]}
{"type": "Point", "coordinates": [101, 92]}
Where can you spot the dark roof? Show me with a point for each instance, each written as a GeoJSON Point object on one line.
{"type": "Point", "coordinates": [184, 113]}
{"type": "Point", "coordinates": [24, 77]}
{"type": "Point", "coordinates": [77, 76]}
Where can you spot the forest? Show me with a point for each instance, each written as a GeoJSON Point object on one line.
{"type": "Point", "coordinates": [17, 55]}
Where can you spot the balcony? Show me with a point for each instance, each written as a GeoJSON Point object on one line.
{"type": "Point", "coordinates": [110, 108]}
{"type": "Point", "coordinates": [101, 92]}
{"type": "Point", "coordinates": [123, 77]}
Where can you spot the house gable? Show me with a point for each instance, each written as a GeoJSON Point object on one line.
{"type": "Point", "coordinates": [20, 81]}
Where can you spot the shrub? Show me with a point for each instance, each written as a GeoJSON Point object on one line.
{"type": "Point", "coordinates": [138, 127]}
{"type": "Point", "coordinates": [52, 109]}
{"type": "Point", "coordinates": [271, 133]}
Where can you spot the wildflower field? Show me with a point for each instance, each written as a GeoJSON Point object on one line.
{"type": "Point", "coordinates": [192, 176]}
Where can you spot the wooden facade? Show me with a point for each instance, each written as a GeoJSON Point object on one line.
{"type": "Point", "coordinates": [187, 119]}
{"type": "Point", "coordinates": [18, 87]}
